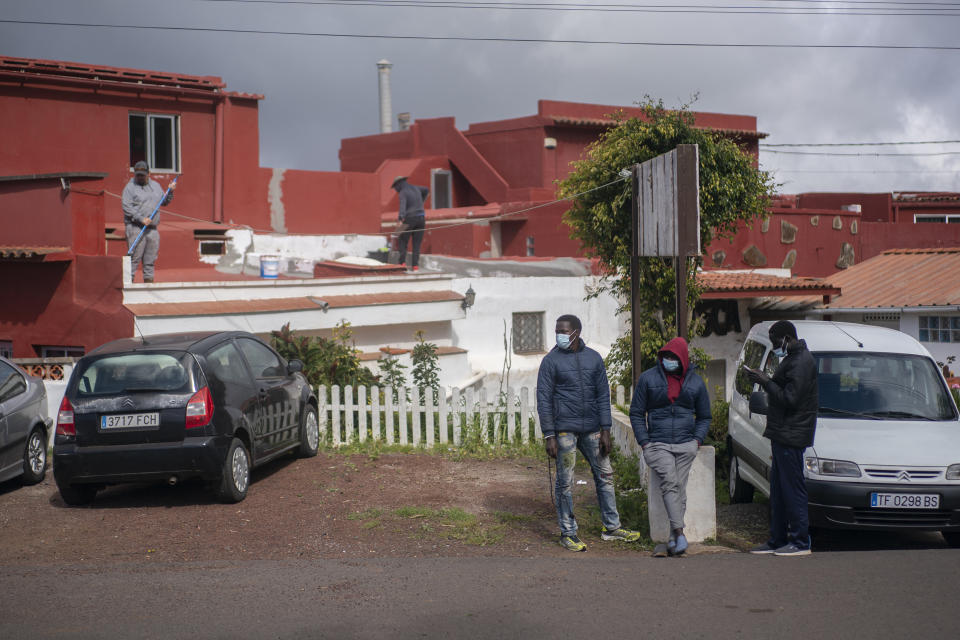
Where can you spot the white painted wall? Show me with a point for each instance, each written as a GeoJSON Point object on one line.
{"type": "Point", "coordinates": [727, 347]}
{"type": "Point", "coordinates": [481, 332]}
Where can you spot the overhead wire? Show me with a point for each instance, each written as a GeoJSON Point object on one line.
{"type": "Point", "coordinates": [855, 154]}
{"type": "Point", "coordinates": [367, 36]}
{"type": "Point", "coordinates": [767, 145]}
{"type": "Point", "coordinates": [838, 10]}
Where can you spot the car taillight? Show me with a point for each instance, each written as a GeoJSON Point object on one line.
{"type": "Point", "coordinates": [199, 409]}
{"type": "Point", "coordinates": [65, 423]}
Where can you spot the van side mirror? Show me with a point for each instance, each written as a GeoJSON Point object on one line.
{"type": "Point", "coordinates": [758, 402]}
{"type": "Point", "coordinates": [294, 366]}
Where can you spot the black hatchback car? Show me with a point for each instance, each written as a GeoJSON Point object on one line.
{"type": "Point", "coordinates": [177, 406]}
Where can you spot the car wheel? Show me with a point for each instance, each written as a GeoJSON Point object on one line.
{"type": "Point", "coordinates": [35, 457]}
{"type": "Point", "coordinates": [77, 495]}
{"type": "Point", "coordinates": [235, 478]}
{"type": "Point", "coordinates": [952, 538]}
{"type": "Point", "coordinates": [740, 490]}
{"type": "Point", "coordinates": [309, 432]}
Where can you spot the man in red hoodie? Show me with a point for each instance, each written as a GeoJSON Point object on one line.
{"type": "Point", "coordinates": [670, 415]}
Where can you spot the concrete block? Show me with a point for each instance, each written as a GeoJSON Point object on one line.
{"type": "Point", "coordinates": [701, 516]}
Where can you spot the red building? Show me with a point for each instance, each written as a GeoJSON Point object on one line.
{"type": "Point", "coordinates": [72, 133]}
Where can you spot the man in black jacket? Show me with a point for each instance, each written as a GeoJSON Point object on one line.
{"type": "Point", "coordinates": [791, 425]}
{"type": "Point", "coordinates": [412, 218]}
{"type": "Point", "coordinates": [573, 402]}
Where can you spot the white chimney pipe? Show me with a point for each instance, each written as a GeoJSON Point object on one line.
{"type": "Point", "coordinates": [386, 108]}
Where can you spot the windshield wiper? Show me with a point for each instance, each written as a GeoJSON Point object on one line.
{"type": "Point", "coordinates": [901, 414]}
{"type": "Point", "coordinates": [844, 412]}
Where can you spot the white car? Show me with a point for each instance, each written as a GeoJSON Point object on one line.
{"type": "Point", "coordinates": [886, 455]}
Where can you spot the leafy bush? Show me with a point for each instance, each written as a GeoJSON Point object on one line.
{"type": "Point", "coordinates": [326, 361]}
{"type": "Point", "coordinates": [426, 364]}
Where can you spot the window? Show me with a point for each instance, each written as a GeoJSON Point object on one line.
{"type": "Point", "coordinates": [530, 248]}
{"type": "Point", "coordinates": [11, 382]}
{"type": "Point", "coordinates": [225, 366]}
{"type": "Point", "coordinates": [441, 188]}
{"type": "Point", "coordinates": [136, 372]}
{"type": "Point", "coordinates": [155, 139]}
{"type": "Point", "coordinates": [528, 332]}
{"type": "Point", "coordinates": [263, 362]}
{"type": "Point", "coordinates": [53, 351]}
{"type": "Point", "coordinates": [937, 217]}
{"type": "Point", "coordinates": [865, 386]}
{"type": "Point", "coordinates": [6, 349]}
{"type": "Point", "coordinates": [752, 357]}
{"type": "Point", "coordinates": [939, 328]}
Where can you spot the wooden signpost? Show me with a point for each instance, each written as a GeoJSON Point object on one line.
{"type": "Point", "coordinates": [666, 224]}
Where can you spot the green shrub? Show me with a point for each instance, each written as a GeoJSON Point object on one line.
{"type": "Point", "coordinates": [326, 361]}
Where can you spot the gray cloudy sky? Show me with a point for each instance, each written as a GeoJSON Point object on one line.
{"type": "Point", "coordinates": [319, 89]}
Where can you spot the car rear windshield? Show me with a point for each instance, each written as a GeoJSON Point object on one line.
{"type": "Point", "coordinates": [169, 372]}
{"type": "Point", "coordinates": [882, 386]}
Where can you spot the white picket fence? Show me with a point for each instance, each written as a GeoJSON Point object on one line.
{"type": "Point", "coordinates": [360, 414]}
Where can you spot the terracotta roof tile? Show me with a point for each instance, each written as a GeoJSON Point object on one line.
{"type": "Point", "coordinates": [901, 278]}
{"type": "Point", "coordinates": [721, 284]}
{"type": "Point", "coordinates": [607, 122]}
{"type": "Point", "coordinates": [272, 305]}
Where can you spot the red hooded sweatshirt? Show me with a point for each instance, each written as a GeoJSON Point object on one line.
{"type": "Point", "coordinates": [678, 347]}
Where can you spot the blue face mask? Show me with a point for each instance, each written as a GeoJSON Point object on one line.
{"type": "Point", "coordinates": [670, 365]}
{"type": "Point", "coordinates": [563, 341]}
{"type": "Point", "coordinates": [782, 351]}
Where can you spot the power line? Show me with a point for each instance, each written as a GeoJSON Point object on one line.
{"type": "Point", "coordinates": [856, 144]}
{"type": "Point", "coordinates": [365, 36]}
{"type": "Point", "coordinates": [878, 155]}
{"type": "Point", "coordinates": [832, 171]}
{"type": "Point", "coordinates": [840, 10]}
{"type": "Point", "coordinates": [818, 5]}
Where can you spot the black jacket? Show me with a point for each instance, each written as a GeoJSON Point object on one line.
{"type": "Point", "coordinates": [793, 401]}
{"type": "Point", "coordinates": [572, 392]}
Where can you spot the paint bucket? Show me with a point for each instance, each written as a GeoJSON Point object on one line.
{"type": "Point", "coordinates": [269, 266]}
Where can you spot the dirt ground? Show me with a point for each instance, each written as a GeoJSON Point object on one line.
{"type": "Point", "coordinates": [333, 506]}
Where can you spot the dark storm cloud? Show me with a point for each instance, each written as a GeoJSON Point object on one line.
{"type": "Point", "coordinates": [319, 90]}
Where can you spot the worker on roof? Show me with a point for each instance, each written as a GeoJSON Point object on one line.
{"type": "Point", "coordinates": [140, 199]}
{"type": "Point", "coordinates": [412, 218]}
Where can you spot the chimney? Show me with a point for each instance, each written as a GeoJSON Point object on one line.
{"type": "Point", "coordinates": [386, 109]}
{"type": "Point", "coordinates": [403, 121]}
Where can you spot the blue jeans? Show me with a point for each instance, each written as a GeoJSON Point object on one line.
{"type": "Point", "coordinates": [589, 446]}
{"type": "Point", "coordinates": [789, 521]}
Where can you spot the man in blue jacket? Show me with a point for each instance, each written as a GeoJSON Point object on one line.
{"type": "Point", "coordinates": [670, 415]}
{"type": "Point", "coordinates": [573, 402]}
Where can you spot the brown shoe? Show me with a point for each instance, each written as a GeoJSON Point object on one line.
{"type": "Point", "coordinates": [150, 280]}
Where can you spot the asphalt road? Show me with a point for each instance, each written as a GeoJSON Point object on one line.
{"type": "Point", "coordinates": [899, 593]}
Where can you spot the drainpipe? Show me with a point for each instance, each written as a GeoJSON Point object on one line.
{"type": "Point", "coordinates": [218, 160]}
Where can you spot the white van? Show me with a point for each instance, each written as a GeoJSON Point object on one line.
{"type": "Point", "coordinates": [886, 455]}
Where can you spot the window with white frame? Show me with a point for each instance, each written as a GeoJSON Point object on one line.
{"type": "Point", "coordinates": [937, 217]}
{"type": "Point", "coordinates": [528, 332]}
{"type": "Point", "coordinates": [56, 351]}
{"type": "Point", "coordinates": [155, 139]}
{"type": "Point", "coordinates": [940, 329]}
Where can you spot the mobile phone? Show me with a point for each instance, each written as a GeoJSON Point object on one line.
{"type": "Point", "coordinates": [749, 370]}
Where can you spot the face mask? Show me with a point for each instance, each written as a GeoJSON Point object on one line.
{"type": "Point", "coordinates": [670, 365]}
{"type": "Point", "coordinates": [782, 351]}
{"type": "Point", "coordinates": [563, 341]}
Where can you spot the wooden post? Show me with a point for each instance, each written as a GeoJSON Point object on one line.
{"type": "Point", "coordinates": [635, 270]}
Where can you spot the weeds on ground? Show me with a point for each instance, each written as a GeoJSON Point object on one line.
{"type": "Point", "coordinates": [453, 523]}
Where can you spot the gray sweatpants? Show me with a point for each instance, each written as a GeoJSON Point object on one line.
{"type": "Point", "coordinates": [671, 463]}
{"type": "Point", "coordinates": [147, 250]}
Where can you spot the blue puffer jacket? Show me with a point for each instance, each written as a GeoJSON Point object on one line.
{"type": "Point", "coordinates": [572, 392]}
{"type": "Point", "coordinates": [655, 419]}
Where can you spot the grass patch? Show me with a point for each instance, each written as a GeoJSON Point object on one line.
{"type": "Point", "coordinates": [369, 514]}
{"type": "Point", "coordinates": [452, 523]}
{"type": "Point", "coordinates": [505, 517]}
